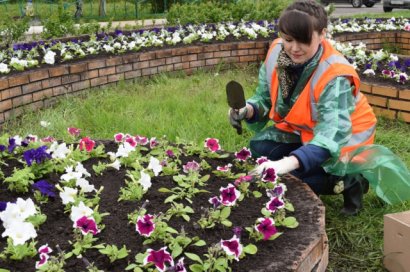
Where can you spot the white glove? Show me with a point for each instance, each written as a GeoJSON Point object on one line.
{"type": "Point", "coordinates": [282, 166]}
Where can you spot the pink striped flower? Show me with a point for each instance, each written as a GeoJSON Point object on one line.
{"type": "Point", "coordinates": [269, 175]}
{"type": "Point", "coordinates": [141, 140]}
{"type": "Point", "coordinates": [87, 225]}
{"type": "Point", "coordinates": [75, 132]}
{"type": "Point", "coordinates": [131, 140]}
{"type": "Point", "coordinates": [229, 195]}
{"type": "Point", "coordinates": [119, 137]}
{"type": "Point", "coordinates": [243, 155]}
{"type": "Point", "coordinates": [275, 204]}
{"type": "Point", "coordinates": [192, 166]}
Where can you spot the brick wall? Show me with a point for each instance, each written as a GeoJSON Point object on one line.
{"type": "Point", "coordinates": [38, 88]}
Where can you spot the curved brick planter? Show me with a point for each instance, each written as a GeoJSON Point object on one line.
{"type": "Point", "coordinates": [37, 88]}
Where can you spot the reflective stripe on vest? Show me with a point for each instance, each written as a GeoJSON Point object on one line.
{"type": "Point", "coordinates": [271, 62]}
{"type": "Point", "coordinates": [318, 73]}
{"type": "Point", "coordinates": [361, 137]}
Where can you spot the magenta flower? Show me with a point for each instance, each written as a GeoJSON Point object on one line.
{"type": "Point", "coordinates": [170, 153]}
{"type": "Point", "coordinates": [74, 131]}
{"type": "Point", "coordinates": [261, 160]}
{"type": "Point", "coordinates": [243, 155]}
{"type": "Point", "coordinates": [192, 166]}
{"type": "Point", "coordinates": [119, 137]}
{"type": "Point", "coordinates": [212, 144]}
{"type": "Point", "coordinates": [180, 266]}
{"type": "Point", "coordinates": [48, 139]}
{"type": "Point", "coordinates": [45, 249]}
{"type": "Point", "coordinates": [274, 204]}
{"type": "Point", "coordinates": [131, 140]}
{"type": "Point", "coordinates": [87, 225]}
{"type": "Point", "coordinates": [269, 175]}
{"type": "Point", "coordinates": [237, 231]}
{"type": "Point", "coordinates": [232, 247]}
{"type": "Point", "coordinates": [159, 258]}
{"type": "Point", "coordinates": [215, 201]}
{"type": "Point", "coordinates": [242, 179]}
{"type": "Point", "coordinates": [266, 227]}
{"type": "Point", "coordinates": [278, 191]}
{"type": "Point", "coordinates": [225, 168]}
{"type": "Point", "coordinates": [229, 195]}
{"type": "Point", "coordinates": [43, 260]}
{"type": "Point", "coordinates": [145, 225]}
{"type": "Point", "coordinates": [153, 142]}
{"type": "Point", "coordinates": [141, 140]}
{"type": "Point", "coordinates": [87, 144]}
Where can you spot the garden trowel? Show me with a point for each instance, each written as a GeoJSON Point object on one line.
{"type": "Point", "coordinates": [236, 99]}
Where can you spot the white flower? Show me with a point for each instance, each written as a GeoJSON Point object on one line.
{"type": "Point", "coordinates": [369, 72]}
{"type": "Point", "coordinates": [68, 195]}
{"type": "Point", "coordinates": [80, 169]}
{"type": "Point", "coordinates": [20, 232]}
{"type": "Point", "coordinates": [10, 214]}
{"type": "Point", "coordinates": [26, 208]}
{"type": "Point", "coordinates": [124, 149]}
{"type": "Point", "coordinates": [155, 165]}
{"type": "Point", "coordinates": [49, 57]}
{"type": "Point", "coordinates": [116, 165]}
{"type": "Point", "coordinates": [145, 180]}
{"type": "Point", "coordinates": [59, 151]}
{"type": "Point", "coordinates": [44, 124]}
{"type": "Point", "coordinates": [84, 185]}
{"type": "Point", "coordinates": [4, 68]}
{"type": "Point", "coordinates": [80, 211]}
{"type": "Point", "coordinates": [70, 175]}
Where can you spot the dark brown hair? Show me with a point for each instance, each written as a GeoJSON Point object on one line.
{"type": "Point", "coordinates": [301, 19]}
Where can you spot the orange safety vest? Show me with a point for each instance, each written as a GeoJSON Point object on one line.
{"type": "Point", "coordinates": [302, 117]}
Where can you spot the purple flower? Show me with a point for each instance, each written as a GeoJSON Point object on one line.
{"type": "Point", "coordinates": [145, 225]}
{"type": "Point", "coordinates": [243, 155]}
{"type": "Point", "coordinates": [45, 188]}
{"type": "Point", "coordinates": [12, 145]}
{"type": "Point", "coordinates": [232, 247]}
{"type": "Point", "coordinates": [2, 148]}
{"type": "Point", "coordinates": [170, 153]}
{"type": "Point", "coordinates": [278, 191]}
{"type": "Point", "coordinates": [159, 258]}
{"type": "Point", "coordinates": [3, 205]}
{"type": "Point", "coordinates": [266, 227]}
{"type": "Point", "coordinates": [86, 225]}
{"type": "Point", "coordinates": [237, 231]}
{"type": "Point", "coordinates": [192, 166]}
{"type": "Point", "coordinates": [179, 267]}
{"type": "Point", "coordinates": [118, 32]}
{"type": "Point", "coordinates": [269, 175]}
{"type": "Point", "coordinates": [261, 160]}
{"type": "Point", "coordinates": [215, 201]}
{"type": "Point", "coordinates": [36, 154]}
{"type": "Point", "coordinates": [212, 144]}
{"type": "Point", "coordinates": [407, 62]}
{"type": "Point", "coordinates": [274, 204]}
{"type": "Point", "coordinates": [229, 195]}
{"type": "Point", "coordinates": [43, 260]}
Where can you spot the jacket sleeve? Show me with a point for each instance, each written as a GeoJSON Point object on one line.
{"type": "Point", "coordinates": [260, 102]}
{"type": "Point", "coordinates": [334, 127]}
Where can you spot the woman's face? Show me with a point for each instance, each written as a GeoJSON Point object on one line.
{"type": "Point", "coordinates": [301, 52]}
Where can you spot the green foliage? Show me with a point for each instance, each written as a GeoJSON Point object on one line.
{"type": "Point", "coordinates": [212, 216]}
{"type": "Point", "coordinates": [12, 30]}
{"type": "Point", "coordinates": [18, 252]}
{"type": "Point", "coordinates": [217, 11]}
{"type": "Point", "coordinates": [113, 252]}
{"type": "Point", "coordinates": [58, 25]}
{"type": "Point", "coordinates": [21, 180]}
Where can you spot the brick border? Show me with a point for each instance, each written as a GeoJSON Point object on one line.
{"type": "Point", "coordinates": [36, 89]}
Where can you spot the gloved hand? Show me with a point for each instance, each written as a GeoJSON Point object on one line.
{"type": "Point", "coordinates": [282, 166]}
{"type": "Point", "coordinates": [236, 116]}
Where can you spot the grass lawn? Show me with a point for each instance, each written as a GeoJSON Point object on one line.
{"type": "Point", "coordinates": [195, 108]}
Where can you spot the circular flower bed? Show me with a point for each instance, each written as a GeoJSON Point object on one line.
{"type": "Point", "coordinates": [142, 205]}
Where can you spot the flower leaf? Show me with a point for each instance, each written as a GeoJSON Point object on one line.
{"type": "Point", "coordinates": [290, 222]}
{"type": "Point", "coordinates": [164, 190]}
{"type": "Point", "coordinates": [250, 249]}
{"type": "Point", "coordinates": [257, 194]}
{"type": "Point", "coordinates": [289, 207]}
{"type": "Point", "coordinates": [194, 257]}
{"type": "Point", "coordinates": [200, 243]}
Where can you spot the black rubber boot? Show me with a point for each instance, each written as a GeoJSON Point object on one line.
{"type": "Point", "coordinates": [354, 188]}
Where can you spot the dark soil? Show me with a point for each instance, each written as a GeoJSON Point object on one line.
{"type": "Point", "coordinates": [277, 255]}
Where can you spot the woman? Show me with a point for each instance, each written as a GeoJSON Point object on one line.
{"type": "Point", "coordinates": [311, 92]}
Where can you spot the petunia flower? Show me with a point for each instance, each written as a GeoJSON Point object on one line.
{"type": "Point", "coordinates": [45, 188]}
{"type": "Point", "coordinates": [266, 227]}
{"type": "Point", "coordinates": [79, 211]}
{"type": "Point", "coordinates": [116, 164]}
{"type": "Point", "coordinates": [224, 168]}
{"type": "Point", "coordinates": [229, 195]}
{"type": "Point", "coordinates": [159, 258]}
{"type": "Point", "coordinates": [85, 185]}
{"type": "Point", "coordinates": [131, 141]}
{"type": "Point", "coordinates": [45, 249]}
{"type": "Point", "coordinates": [261, 160]}
{"type": "Point", "coordinates": [43, 260]}
{"type": "Point", "coordinates": [277, 191]}
{"type": "Point", "coordinates": [145, 225]}
{"type": "Point", "coordinates": [269, 175]}
{"type": "Point", "coordinates": [68, 195]}
{"type": "Point", "coordinates": [3, 205]}
{"type": "Point", "coordinates": [237, 231]}
{"type": "Point", "coordinates": [153, 142]}
{"type": "Point", "coordinates": [36, 154]}
{"type": "Point", "coordinates": [124, 150]}
{"type": "Point", "coordinates": [119, 137]}
{"type": "Point", "coordinates": [75, 132]}
{"type": "Point", "coordinates": [215, 201]}
{"type": "Point", "coordinates": [87, 144]}
{"type": "Point", "coordinates": [145, 180]}
{"type": "Point", "coordinates": [179, 267]}
{"type": "Point", "coordinates": [141, 140]}
{"type": "Point", "coordinates": [20, 232]}
{"type": "Point", "coordinates": [192, 166]}
{"type": "Point", "coordinates": [59, 151]}
{"type": "Point", "coordinates": [169, 153]}
{"type": "Point", "coordinates": [155, 165]}
{"type": "Point", "coordinates": [243, 155]}
{"type": "Point", "coordinates": [243, 179]}
{"type": "Point", "coordinates": [48, 139]}
{"type": "Point", "coordinates": [212, 144]}
{"type": "Point", "coordinates": [86, 225]}
{"type": "Point", "coordinates": [274, 204]}
{"type": "Point", "coordinates": [232, 247]}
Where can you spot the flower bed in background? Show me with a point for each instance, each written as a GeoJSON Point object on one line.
{"type": "Point", "coordinates": [141, 204]}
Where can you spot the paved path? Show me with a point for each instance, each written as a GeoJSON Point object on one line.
{"type": "Point", "coordinates": [348, 9]}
